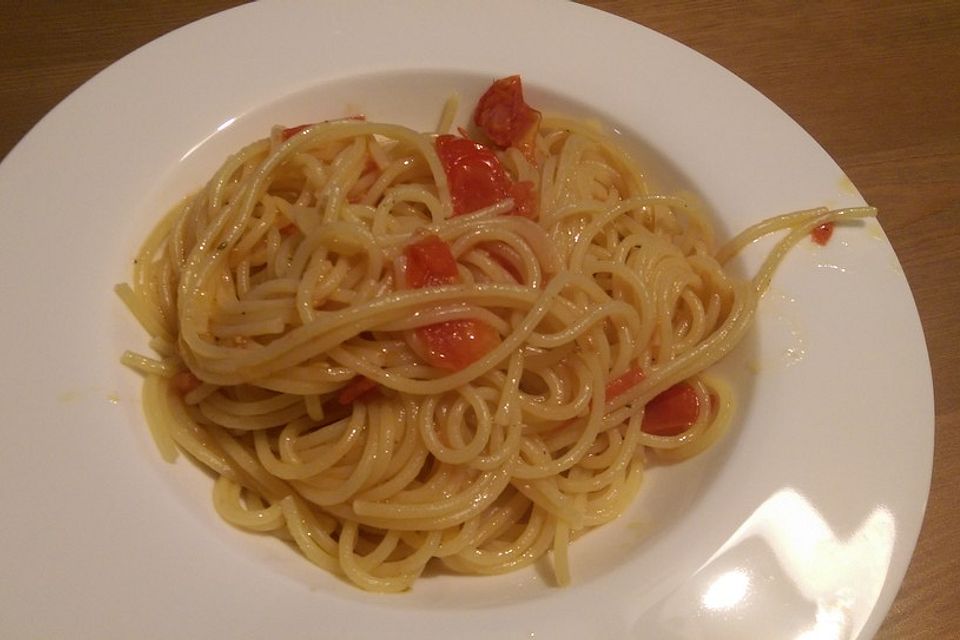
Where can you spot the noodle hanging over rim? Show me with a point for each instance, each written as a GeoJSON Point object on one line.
{"type": "Point", "coordinates": [397, 349]}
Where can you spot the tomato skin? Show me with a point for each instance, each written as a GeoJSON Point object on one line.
{"type": "Point", "coordinates": [476, 183]}
{"type": "Point", "coordinates": [624, 382]}
{"type": "Point", "coordinates": [452, 149]}
{"type": "Point", "coordinates": [455, 344]}
{"type": "Point", "coordinates": [821, 234]}
{"type": "Point", "coordinates": [474, 174]}
{"type": "Point", "coordinates": [672, 412]}
{"type": "Point", "coordinates": [505, 117]}
{"type": "Point", "coordinates": [477, 179]}
{"type": "Point", "coordinates": [430, 263]}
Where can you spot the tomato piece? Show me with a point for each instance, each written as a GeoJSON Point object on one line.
{"type": "Point", "coordinates": [505, 117]}
{"type": "Point", "coordinates": [430, 263]}
{"type": "Point", "coordinates": [477, 179]}
{"type": "Point", "coordinates": [357, 388]}
{"type": "Point", "coordinates": [624, 382]}
{"type": "Point", "coordinates": [474, 174]}
{"type": "Point", "coordinates": [821, 234]}
{"type": "Point", "coordinates": [475, 183]}
{"type": "Point", "coordinates": [672, 412]}
{"type": "Point", "coordinates": [452, 149]}
{"type": "Point", "coordinates": [455, 344]}
{"type": "Point", "coordinates": [525, 199]}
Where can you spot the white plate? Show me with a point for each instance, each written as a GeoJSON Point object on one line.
{"type": "Point", "coordinates": [801, 524]}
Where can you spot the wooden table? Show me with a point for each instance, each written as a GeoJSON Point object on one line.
{"type": "Point", "coordinates": [876, 83]}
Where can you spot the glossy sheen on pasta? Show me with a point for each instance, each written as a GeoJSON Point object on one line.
{"type": "Point", "coordinates": [278, 286]}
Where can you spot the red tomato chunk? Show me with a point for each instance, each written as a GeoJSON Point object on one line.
{"type": "Point", "coordinates": [430, 263]}
{"type": "Point", "coordinates": [454, 344]}
{"type": "Point", "coordinates": [672, 412]}
{"type": "Point", "coordinates": [475, 175]}
{"type": "Point", "coordinates": [821, 234]}
{"type": "Point", "coordinates": [504, 116]}
{"type": "Point", "coordinates": [478, 180]}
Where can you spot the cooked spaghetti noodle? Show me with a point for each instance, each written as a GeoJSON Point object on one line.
{"type": "Point", "coordinates": [383, 412]}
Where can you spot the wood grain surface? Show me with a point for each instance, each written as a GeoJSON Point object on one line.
{"type": "Point", "coordinates": [877, 83]}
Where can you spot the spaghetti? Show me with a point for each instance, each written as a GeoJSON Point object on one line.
{"type": "Point", "coordinates": [395, 348]}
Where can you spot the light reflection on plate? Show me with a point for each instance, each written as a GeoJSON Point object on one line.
{"type": "Point", "coordinates": [787, 562]}
{"type": "Point", "coordinates": [794, 527]}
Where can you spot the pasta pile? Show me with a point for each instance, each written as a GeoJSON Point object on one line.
{"type": "Point", "coordinates": [384, 415]}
